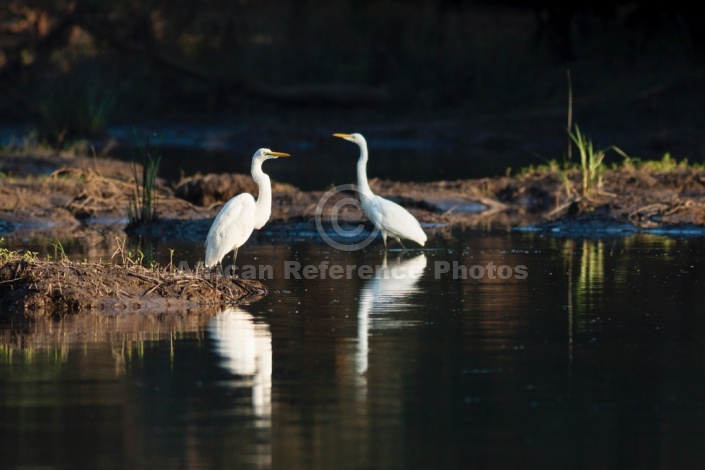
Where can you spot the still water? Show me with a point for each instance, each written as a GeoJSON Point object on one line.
{"type": "Point", "coordinates": [595, 358]}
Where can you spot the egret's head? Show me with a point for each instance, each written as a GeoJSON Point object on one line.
{"type": "Point", "coordinates": [354, 137]}
{"type": "Point", "coordinates": [266, 154]}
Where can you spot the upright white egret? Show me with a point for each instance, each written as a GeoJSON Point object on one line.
{"type": "Point", "coordinates": [242, 214]}
{"type": "Point", "coordinates": [389, 217]}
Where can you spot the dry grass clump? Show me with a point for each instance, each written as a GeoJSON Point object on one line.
{"type": "Point", "coordinates": [33, 287]}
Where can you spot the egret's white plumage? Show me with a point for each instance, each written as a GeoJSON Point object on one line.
{"type": "Point", "coordinates": [242, 214]}
{"type": "Point", "coordinates": [390, 218]}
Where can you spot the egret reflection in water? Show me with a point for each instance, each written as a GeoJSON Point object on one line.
{"type": "Point", "coordinates": [245, 347]}
{"type": "Point", "coordinates": [387, 291]}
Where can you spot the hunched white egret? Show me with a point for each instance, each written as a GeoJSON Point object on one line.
{"type": "Point", "coordinates": [390, 218]}
{"type": "Point", "coordinates": [242, 214]}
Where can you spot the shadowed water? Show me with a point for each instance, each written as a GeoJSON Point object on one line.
{"type": "Point", "coordinates": [594, 360]}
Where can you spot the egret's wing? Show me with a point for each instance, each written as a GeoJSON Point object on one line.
{"type": "Point", "coordinates": [231, 228]}
{"type": "Point", "coordinates": [398, 221]}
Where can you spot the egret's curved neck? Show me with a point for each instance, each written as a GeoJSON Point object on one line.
{"type": "Point", "coordinates": [362, 183]}
{"type": "Point", "coordinates": [263, 206]}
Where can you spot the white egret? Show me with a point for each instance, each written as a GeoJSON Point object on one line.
{"type": "Point", "coordinates": [242, 214]}
{"type": "Point", "coordinates": [389, 217]}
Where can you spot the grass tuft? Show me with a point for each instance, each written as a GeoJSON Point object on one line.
{"type": "Point", "coordinates": [142, 208]}
{"type": "Point", "coordinates": [591, 161]}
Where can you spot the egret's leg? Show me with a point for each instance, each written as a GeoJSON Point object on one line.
{"type": "Point", "coordinates": [234, 258]}
{"type": "Point", "coordinates": [402, 245]}
{"type": "Point", "coordinates": [384, 239]}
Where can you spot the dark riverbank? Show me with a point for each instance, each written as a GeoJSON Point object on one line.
{"type": "Point", "coordinates": [67, 197]}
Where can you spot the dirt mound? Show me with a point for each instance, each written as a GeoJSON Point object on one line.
{"type": "Point", "coordinates": [37, 288]}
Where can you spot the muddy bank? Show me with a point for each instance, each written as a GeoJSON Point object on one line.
{"type": "Point", "coordinates": [73, 196]}
{"type": "Point", "coordinates": [630, 200]}
{"type": "Point", "coordinates": [37, 288]}
{"type": "Point", "coordinates": [63, 196]}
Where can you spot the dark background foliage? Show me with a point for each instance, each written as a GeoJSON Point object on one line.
{"type": "Point", "coordinates": [485, 76]}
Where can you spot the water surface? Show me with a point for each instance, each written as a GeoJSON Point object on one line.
{"type": "Point", "coordinates": [594, 359]}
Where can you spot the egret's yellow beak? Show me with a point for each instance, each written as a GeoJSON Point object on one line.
{"type": "Point", "coordinates": [279, 154]}
{"type": "Point", "coordinates": [342, 136]}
